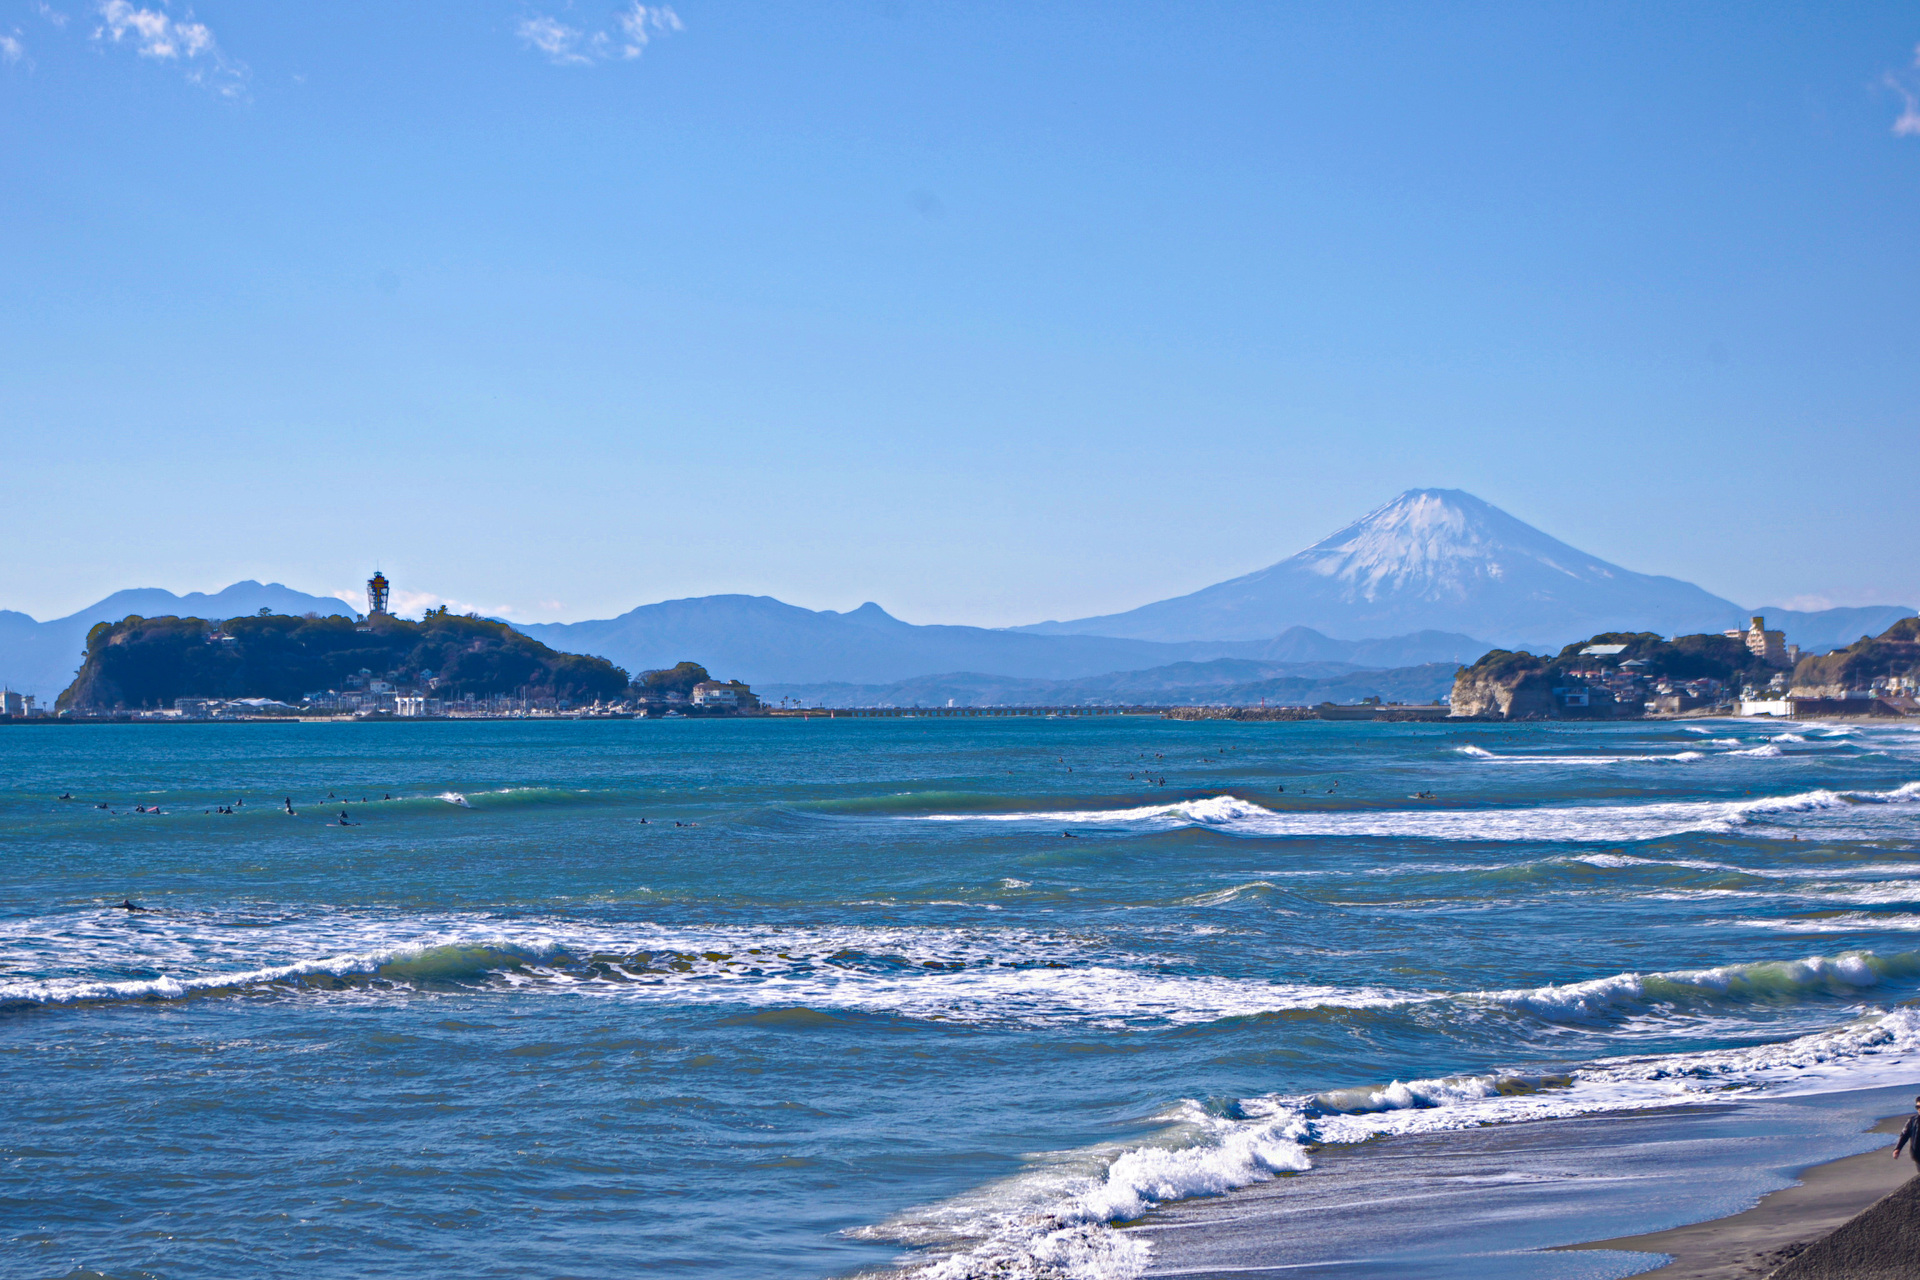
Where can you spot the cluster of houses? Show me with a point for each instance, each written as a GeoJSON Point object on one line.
{"type": "Point", "coordinates": [1628, 683]}
{"type": "Point", "coordinates": [1605, 679]}
{"type": "Point", "coordinates": [369, 697]}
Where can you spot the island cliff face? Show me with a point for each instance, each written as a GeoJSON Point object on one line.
{"type": "Point", "coordinates": [149, 662]}
{"type": "Point", "coordinates": [1504, 686]}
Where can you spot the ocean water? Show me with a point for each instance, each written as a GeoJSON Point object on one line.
{"type": "Point", "coordinates": [953, 998]}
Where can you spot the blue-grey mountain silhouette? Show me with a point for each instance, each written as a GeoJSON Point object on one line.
{"type": "Point", "coordinates": [40, 657]}
{"type": "Point", "coordinates": [1443, 559]}
{"type": "Point", "coordinates": [762, 640]}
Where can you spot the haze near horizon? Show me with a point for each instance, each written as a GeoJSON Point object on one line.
{"type": "Point", "coordinates": [987, 314]}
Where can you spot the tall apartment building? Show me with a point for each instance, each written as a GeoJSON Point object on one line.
{"type": "Point", "coordinates": [1769, 646]}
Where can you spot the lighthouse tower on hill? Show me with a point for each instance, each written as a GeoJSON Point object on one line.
{"type": "Point", "coordinates": [377, 594]}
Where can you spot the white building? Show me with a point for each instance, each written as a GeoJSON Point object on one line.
{"type": "Point", "coordinates": [1770, 646]}
{"type": "Point", "coordinates": [712, 693]}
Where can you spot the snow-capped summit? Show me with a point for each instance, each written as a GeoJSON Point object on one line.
{"type": "Point", "coordinates": [1438, 559]}
{"type": "Point", "coordinates": [1446, 546]}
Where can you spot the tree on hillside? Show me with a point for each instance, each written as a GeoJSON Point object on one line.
{"type": "Point", "coordinates": [655, 686]}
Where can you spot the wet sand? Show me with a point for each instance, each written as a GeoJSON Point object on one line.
{"type": "Point", "coordinates": [1513, 1202]}
{"type": "Point", "coordinates": [1750, 1245]}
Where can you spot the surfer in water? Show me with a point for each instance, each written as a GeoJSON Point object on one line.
{"type": "Point", "coordinates": [127, 906]}
{"type": "Point", "coordinates": [343, 819]}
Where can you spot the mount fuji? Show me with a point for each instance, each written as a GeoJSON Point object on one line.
{"type": "Point", "coordinates": [1441, 559]}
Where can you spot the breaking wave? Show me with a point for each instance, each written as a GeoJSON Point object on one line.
{"type": "Point", "coordinates": [1055, 1218]}
{"type": "Point", "coordinates": [985, 977]}
{"type": "Point", "coordinates": [1569, 824]}
{"type": "Point", "coordinates": [1481, 753]}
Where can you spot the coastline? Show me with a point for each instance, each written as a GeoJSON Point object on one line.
{"type": "Point", "coordinates": [1750, 1244]}
{"type": "Point", "coordinates": [1594, 1197]}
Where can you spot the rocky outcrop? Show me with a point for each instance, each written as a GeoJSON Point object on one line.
{"type": "Point", "coordinates": [1817, 691]}
{"type": "Point", "coordinates": [1505, 686]}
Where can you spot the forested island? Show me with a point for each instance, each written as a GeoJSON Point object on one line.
{"type": "Point", "coordinates": [331, 664]}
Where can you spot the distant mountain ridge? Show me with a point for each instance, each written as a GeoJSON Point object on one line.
{"type": "Point", "coordinates": [753, 638]}
{"type": "Point", "coordinates": [762, 640]}
{"type": "Point", "coordinates": [1443, 559]}
{"type": "Point", "coordinates": [41, 657]}
{"type": "Point", "coordinates": [1224, 681]}
{"type": "Point", "coordinates": [1436, 575]}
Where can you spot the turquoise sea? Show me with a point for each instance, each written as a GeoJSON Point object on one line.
{"type": "Point", "coordinates": [793, 998]}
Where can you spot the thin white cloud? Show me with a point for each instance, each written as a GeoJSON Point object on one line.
{"type": "Point", "coordinates": [51, 14]}
{"type": "Point", "coordinates": [154, 34]}
{"type": "Point", "coordinates": [638, 23]}
{"type": "Point", "coordinates": [1908, 125]}
{"type": "Point", "coordinates": [411, 604]}
{"type": "Point", "coordinates": [558, 41]}
{"type": "Point", "coordinates": [625, 38]}
{"type": "Point", "coordinates": [11, 49]}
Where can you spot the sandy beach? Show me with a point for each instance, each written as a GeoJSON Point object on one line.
{"type": "Point", "coordinates": [1730, 1190]}
{"type": "Point", "coordinates": [1752, 1244]}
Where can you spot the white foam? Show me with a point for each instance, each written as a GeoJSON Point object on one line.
{"type": "Point", "coordinates": [1872, 891]}
{"type": "Point", "coordinates": [1765, 750]}
{"type": "Point", "coordinates": [454, 797]}
{"type": "Point", "coordinates": [1052, 1219]}
{"type": "Point", "coordinates": [1616, 860]}
{"type": "Point", "coordinates": [1849, 922]}
{"type": "Point", "coordinates": [1619, 823]}
{"type": "Point", "coordinates": [979, 976]}
{"type": "Point", "coordinates": [1481, 753]}
{"type": "Point", "coordinates": [1220, 896]}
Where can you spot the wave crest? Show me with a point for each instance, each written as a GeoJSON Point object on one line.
{"type": "Point", "coordinates": [1593, 823]}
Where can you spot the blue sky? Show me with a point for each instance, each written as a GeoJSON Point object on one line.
{"type": "Point", "coordinates": [987, 312]}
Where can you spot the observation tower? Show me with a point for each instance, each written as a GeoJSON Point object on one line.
{"type": "Point", "coordinates": [377, 594]}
